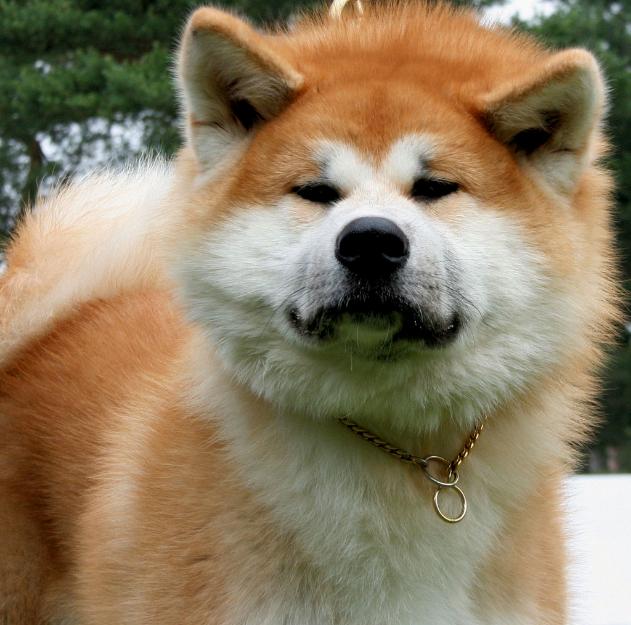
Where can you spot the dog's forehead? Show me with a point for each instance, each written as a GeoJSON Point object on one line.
{"type": "Point", "coordinates": [402, 160]}
{"type": "Point", "coordinates": [398, 130]}
{"type": "Point", "coordinates": [371, 114]}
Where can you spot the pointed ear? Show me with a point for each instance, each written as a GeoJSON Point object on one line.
{"type": "Point", "coordinates": [550, 117]}
{"type": "Point", "coordinates": [230, 80]}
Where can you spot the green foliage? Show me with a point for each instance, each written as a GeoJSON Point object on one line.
{"type": "Point", "coordinates": [81, 79]}
{"type": "Point", "coordinates": [70, 70]}
{"type": "Point", "coordinates": [616, 405]}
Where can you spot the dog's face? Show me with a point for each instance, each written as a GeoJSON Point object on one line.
{"type": "Point", "coordinates": [375, 274]}
{"type": "Point", "coordinates": [370, 241]}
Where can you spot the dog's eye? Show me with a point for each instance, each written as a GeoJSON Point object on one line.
{"type": "Point", "coordinates": [317, 192]}
{"type": "Point", "coordinates": [432, 189]}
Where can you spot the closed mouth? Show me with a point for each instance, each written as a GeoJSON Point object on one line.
{"type": "Point", "coordinates": [394, 319]}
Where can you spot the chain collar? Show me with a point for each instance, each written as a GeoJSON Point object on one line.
{"type": "Point", "coordinates": [449, 469]}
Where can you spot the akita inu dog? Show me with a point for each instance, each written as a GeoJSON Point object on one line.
{"type": "Point", "coordinates": [249, 388]}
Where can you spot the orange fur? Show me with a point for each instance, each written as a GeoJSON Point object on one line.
{"type": "Point", "coordinates": [122, 501]}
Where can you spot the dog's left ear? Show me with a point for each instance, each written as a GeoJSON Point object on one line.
{"type": "Point", "coordinates": [550, 116]}
{"type": "Point", "coordinates": [231, 80]}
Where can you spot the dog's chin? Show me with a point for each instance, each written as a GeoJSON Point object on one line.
{"type": "Point", "coordinates": [376, 328]}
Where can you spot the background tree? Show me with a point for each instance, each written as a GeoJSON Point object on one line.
{"type": "Point", "coordinates": [84, 81]}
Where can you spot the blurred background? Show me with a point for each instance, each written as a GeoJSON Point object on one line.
{"type": "Point", "coordinates": [87, 82]}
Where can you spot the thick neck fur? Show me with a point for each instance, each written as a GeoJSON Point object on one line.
{"type": "Point", "coordinates": [368, 545]}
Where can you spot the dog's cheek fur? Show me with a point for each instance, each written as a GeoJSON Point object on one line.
{"type": "Point", "coordinates": [521, 322]}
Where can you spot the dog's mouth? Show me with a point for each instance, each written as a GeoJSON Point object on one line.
{"type": "Point", "coordinates": [375, 321]}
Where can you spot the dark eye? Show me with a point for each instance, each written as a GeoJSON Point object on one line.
{"type": "Point", "coordinates": [432, 189]}
{"type": "Point", "coordinates": [317, 192]}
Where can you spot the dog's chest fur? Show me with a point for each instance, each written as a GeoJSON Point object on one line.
{"type": "Point", "coordinates": [349, 535]}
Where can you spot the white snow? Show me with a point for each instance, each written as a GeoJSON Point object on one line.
{"type": "Point", "coordinates": [599, 513]}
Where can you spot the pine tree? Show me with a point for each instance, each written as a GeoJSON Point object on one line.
{"type": "Point", "coordinates": [83, 81]}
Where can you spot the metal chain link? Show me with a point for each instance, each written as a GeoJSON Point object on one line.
{"type": "Point", "coordinates": [374, 440]}
{"type": "Point", "coordinates": [406, 456]}
{"type": "Point", "coordinates": [424, 463]}
{"type": "Point", "coordinates": [467, 447]}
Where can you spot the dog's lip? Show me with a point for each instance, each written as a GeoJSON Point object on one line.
{"type": "Point", "coordinates": [399, 321]}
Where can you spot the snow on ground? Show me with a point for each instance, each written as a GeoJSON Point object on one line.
{"type": "Point", "coordinates": [599, 510]}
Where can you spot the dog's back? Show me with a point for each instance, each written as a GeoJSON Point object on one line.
{"type": "Point", "coordinates": [83, 313]}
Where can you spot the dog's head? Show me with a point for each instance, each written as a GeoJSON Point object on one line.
{"type": "Point", "coordinates": [391, 213]}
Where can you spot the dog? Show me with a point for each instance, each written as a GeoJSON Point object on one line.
{"type": "Point", "coordinates": [332, 364]}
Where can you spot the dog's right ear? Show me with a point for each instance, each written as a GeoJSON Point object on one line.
{"type": "Point", "coordinates": [231, 80]}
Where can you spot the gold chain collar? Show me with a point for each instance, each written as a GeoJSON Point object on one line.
{"type": "Point", "coordinates": [449, 468]}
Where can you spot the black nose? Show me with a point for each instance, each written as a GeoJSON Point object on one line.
{"type": "Point", "coordinates": [371, 246]}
